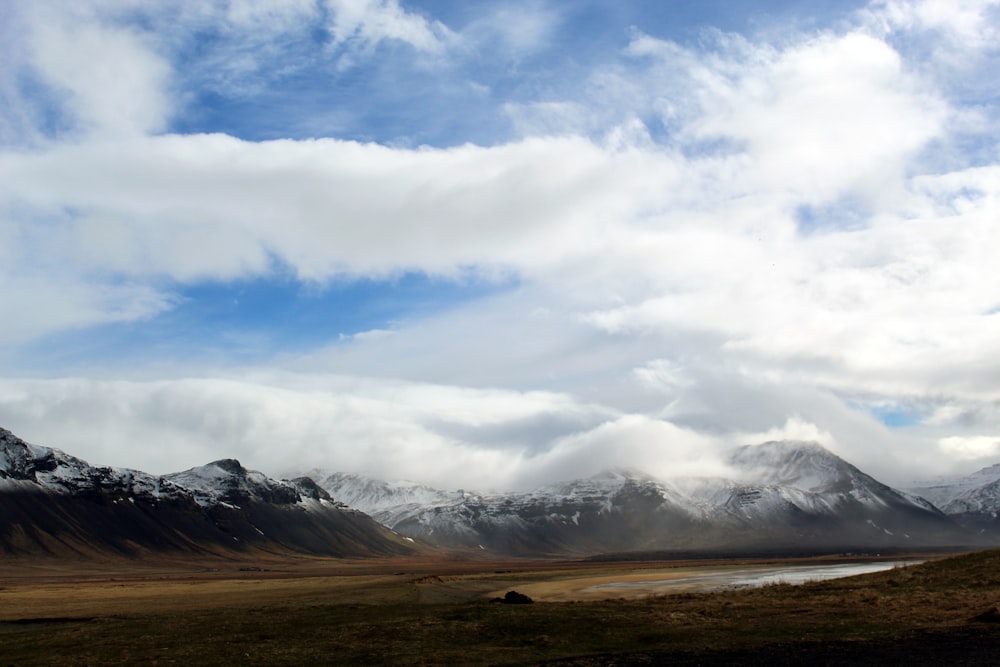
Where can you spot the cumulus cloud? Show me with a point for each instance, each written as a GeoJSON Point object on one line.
{"type": "Point", "coordinates": [705, 243]}
{"type": "Point", "coordinates": [975, 447]}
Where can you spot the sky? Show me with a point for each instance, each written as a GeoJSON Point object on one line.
{"type": "Point", "coordinates": [495, 245]}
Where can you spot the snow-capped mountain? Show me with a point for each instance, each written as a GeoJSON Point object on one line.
{"type": "Point", "coordinates": [802, 465]}
{"type": "Point", "coordinates": [779, 496]}
{"type": "Point", "coordinates": [55, 503]}
{"type": "Point", "coordinates": [366, 494]}
{"type": "Point", "coordinates": [29, 467]}
{"type": "Point", "coordinates": [811, 468]}
{"type": "Point", "coordinates": [972, 500]}
{"type": "Point", "coordinates": [563, 518]}
{"type": "Point", "coordinates": [789, 493]}
{"type": "Point", "coordinates": [227, 482]}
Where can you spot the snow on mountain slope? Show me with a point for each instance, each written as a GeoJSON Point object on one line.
{"type": "Point", "coordinates": [219, 482]}
{"type": "Point", "coordinates": [974, 497]}
{"type": "Point", "coordinates": [227, 481]}
{"type": "Point", "coordinates": [780, 495]}
{"type": "Point", "coordinates": [810, 467]}
{"type": "Point", "coordinates": [402, 499]}
{"type": "Point", "coordinates": [983, 501]}
{"type": "Point", "coordinates": [43, 468]}
{"type": "Point", "coordinates": [582, 515]}
{"type": "Point", "coordinates": [368, 495]}
{"type": "Point", "coordinates": [946, 488]}
{"type": "Point", "coordinates": [802, 465]}
{"type": "Point", "coordinates": [783, 491]}
{"type": "Point", "coordinates": [52, 503]}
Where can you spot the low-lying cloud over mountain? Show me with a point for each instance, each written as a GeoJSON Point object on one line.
{"type": "Point", "coordinates": [504, 243]}
{"type": "Point", "coordinates": [788, 497]}
{"type": "Point", "coordinates": [781, 497]}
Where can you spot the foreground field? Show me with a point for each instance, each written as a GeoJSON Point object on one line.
{"type": "Point", "coordinates": [436, 612]}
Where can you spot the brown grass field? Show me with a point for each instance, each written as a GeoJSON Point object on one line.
{"type": "Point", "coordinates": [435, 611]}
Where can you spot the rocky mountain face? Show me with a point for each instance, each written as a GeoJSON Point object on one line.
{"type": "Point", "coordinates": [779, 496]}
{"type": "Point", "coordinates": [599, 514]}
{"type": "Point", "coordinates": [782, 495]}
{"type": "Point", "coordinates": [971, 500]}
{"type": "Point", "coordinates": [54, 503]}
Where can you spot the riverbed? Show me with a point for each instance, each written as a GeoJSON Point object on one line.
{"type": "Point", "coordinates": [698, 579]}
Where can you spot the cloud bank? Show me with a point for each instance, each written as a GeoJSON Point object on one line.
{"type": "Point", "coordinates": [693, 244]}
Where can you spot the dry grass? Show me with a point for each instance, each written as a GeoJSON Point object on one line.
{"type": "Point", "coordinates": [417, 613]}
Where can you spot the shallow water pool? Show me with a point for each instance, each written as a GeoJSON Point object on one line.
{"type": "Point", "coordinates": [753, 576]}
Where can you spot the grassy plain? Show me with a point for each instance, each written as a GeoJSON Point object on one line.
{"type": "Point", "coordinates": [434, 611]}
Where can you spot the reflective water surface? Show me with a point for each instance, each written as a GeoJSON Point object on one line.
{"type": "Point", "coordinates": [752, 576]}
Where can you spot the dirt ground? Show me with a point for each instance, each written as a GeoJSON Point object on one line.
{"type": "Point", "coordinates": [435, 611]}
{"type": "Point", "coordinates": [58, 589]}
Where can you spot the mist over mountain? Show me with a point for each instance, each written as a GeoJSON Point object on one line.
{"type": "Point", "coordinates": [784, 494]}
{"type": "Point", "coordinates": [497, 245]}
{"type": "Point", "coordinates": [789, 495]}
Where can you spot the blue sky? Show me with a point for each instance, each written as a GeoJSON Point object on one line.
{"type": "Point", "coordinates": [500, 243]}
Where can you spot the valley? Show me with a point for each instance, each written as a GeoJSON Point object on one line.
{"type": "Point", "coordinates": [437, 611]}
{"type": "Point", "coordinates": [218, 564]}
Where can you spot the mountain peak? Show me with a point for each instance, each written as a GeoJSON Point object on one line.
{"type": "Point", "coordinates": [620, 473]}
{"type": "Point", "coordinates": [51, 502]}
{"type": "Point", "coordinates": [226, 480]}
{"type": "Point", "coordinates": [232, 466]}
{"type": "Point", "coordinates": [989, 472]}
{"type": "Point", "coordinates": [803, 465]}
{"type": "Point", "coordinates": [308, 488]}
{"type": "Point", "coordinates": [366, 493]}
{"type": "Point", "coordinates": [20, 460]}
{"type": "Point", "coordinates": [974, 494]}
{"type": "Point", "coordinates": [789, 447]}
{"type": "Point", "coordinates": [15, 456]}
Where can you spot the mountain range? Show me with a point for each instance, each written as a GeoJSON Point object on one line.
{"type": "Point", "coordinates": [779, 496]}
{"type": "Point", "coordinates": [972, 500]}
{"type": "Point", "coordinates": [791, 495]}
{"type": "Point", "coordinates": [55, 504]}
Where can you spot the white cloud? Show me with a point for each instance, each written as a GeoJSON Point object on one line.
{"type": "Point", "coordinates": [271, 16]}
{"type": "Point", "coordinates": [36, 305]}
{"type": "Point", "coordinates": [710, 244]}
{"type": "Point", "coordinates": [284, 423]}
{"type": "Point", "coordinates": [369, 22]}
{"type": "Point", "coordinates": [794, 429]}
{"type": "Point", "coordinates": [654, 446]}
{"type": "Point", "coordinates": [973, 447]}
{"type": "Point", "coordinates": [510, 32]}
{"type": "Point", "coordinates": [212, 205]}
{"type": "Point", "coordinates": [825, 116]}
{"type": "Point", "coordinates": [115, 81]}
{"type": "Point", "coordinates": [966, 24]}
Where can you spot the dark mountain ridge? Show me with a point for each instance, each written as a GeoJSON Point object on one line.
{"type": "Point", "coordinates": [781, 495]}
{"type": "Point", "coordinates": [55, 504]}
